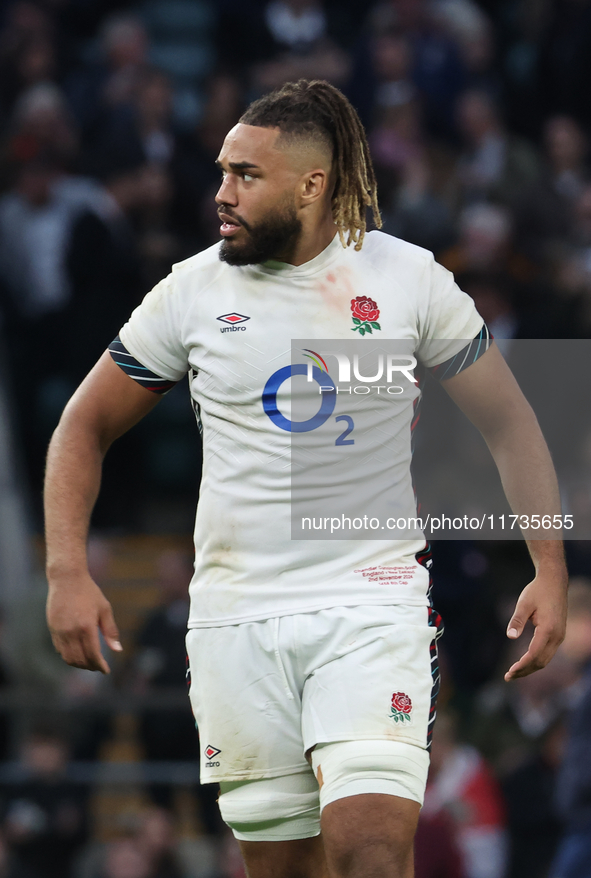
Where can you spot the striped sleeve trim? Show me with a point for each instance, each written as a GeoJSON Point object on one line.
{"type": "Point", "coordinates": [135, 370]}
{"type": "Point", "coordinates": [466, 357]}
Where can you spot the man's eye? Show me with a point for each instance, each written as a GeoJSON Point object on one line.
{"type": "Point", "coordinates": [247, 178]}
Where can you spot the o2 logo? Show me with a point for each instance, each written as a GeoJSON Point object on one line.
{"type": "Point", "coordinates": [328, 401]}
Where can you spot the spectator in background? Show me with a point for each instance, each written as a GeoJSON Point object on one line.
{"type": "Point", "coordinates": [282, 41]}
{"type": "Point", "coordinates": [67, 261]}
{"type": "Point", "coordinates": [103, 263]}
{"type": "Point", "coordinates": [574, 780]}
{"type": "Point", "coordinates": [437, 73]}
{"type": "Point", "coordinates": [524, 301]}
{"type": "Point", "coordinates": [140, 128]}
{"type": "Point", "coordinates": [529, 790]}
{"type": "Point", "coordinates": [41, 124]}
{"type": "Point", "coordinates": [564, 59]}
{"type": "Point", "coordinates": [37, 213]}
{"type": "Point", "coordinates": [570, 265]}
{"type": "Point", "coordinates": [464, 593]}
{"type": "Point", "coordinates": [510, 311]}
{"type": "Point", "coordinates": [493, 296]}
{"type": "Point", "coordinates": [396, 137]}
{"type": "Point", "coordinates": [301, 46]}
{"type": "Point", "coordinates": [417, 211]}
{"type": "Point", "coordinates": [567, 155]}
{"type": "Point", "coordinates": [437, 854]}
{"type": "Point", "coordinates": [156, 839]}
{"type": "Point", "coordinates": [470, 27]}
{"type": "Point", "coordinates": [150, 850]}
{"type": "Point", "coordinates": [28, 51]}
{"type": "Point", "coordinates": [510, 722]}
{"type": "Point", "coordinates": [95, 92]}
{"type": "Point", "coordinates": [124, 859]}
{"type": "Point", "coordinates": [143, 132]}
{"type": "Point", "coordinates": [223, 107]}
{"type": "Point", "coordinates": [461, 786]}
{"type": "Point", "coordinates": [413, 210]}
{"type": "Point", "coordinates": [493, 164]}
{"type": "Point", "coordinates": [160, 241]}
{"type": "Point", "coordinates": [153, 118]}
{"type": "Point", "coordinates": [44, 818]}
{"type": "Point", "coordinates": [546, 216]}
{"type": "Point", "coordinates": [397, 145]}
{"type": "Point", "coordinates": [392, 61]}
{"type": "Point", "coordinates": [486, 244]}
{"type": "Point", "coordinates": [383, 73]}
{"type": "Point", "coordinates": [35, 220]}
{"type": "Point", "coordinates": [160, 662]}
{"type": "Point", "coordinates": [438, 70]}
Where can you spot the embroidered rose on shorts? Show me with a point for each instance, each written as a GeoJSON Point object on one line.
{"type": "Point", "coordinates": [401, 708]}
{"type": "Point", "coordinates": [365, 315]}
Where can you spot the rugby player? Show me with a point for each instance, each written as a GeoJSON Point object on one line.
{"type": "Point", "coordinates": [313, 684]}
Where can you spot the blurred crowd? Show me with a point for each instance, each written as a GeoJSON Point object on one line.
{"type": "Point", "coordinates": [99, 775]}
{"type": "Point", "coordinates": [111, 116]}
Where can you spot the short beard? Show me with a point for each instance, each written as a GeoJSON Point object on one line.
{"type": "Point", "coordinates": [274, 236]}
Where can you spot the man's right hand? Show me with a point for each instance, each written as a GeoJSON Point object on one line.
{"type": "Point", "coordinates": [75, 615]}
{"type": "Point", "coordinates": [106, 405]}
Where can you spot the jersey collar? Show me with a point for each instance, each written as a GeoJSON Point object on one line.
{"type": "Point", "coordinates": [319, 263]}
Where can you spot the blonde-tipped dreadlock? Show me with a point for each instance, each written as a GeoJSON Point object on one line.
{"type": "Point", "coordinates": [318, 110]}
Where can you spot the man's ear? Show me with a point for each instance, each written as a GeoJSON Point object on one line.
{"type": "Point", "coordinates": [313, 186]}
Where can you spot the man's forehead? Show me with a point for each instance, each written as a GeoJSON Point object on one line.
{"type": "Point", "coordinates": [269, 148]}
{"type": "Point", "coordinates": [250, 143]}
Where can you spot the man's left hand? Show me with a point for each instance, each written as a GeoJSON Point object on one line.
{"type": "Point", "coordinates": [543, 602]}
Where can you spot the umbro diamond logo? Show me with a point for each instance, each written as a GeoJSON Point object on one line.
{"type": "Point", "coordinates": [211, 753]}
{"type": "Point", "coordinates": [233, 319]}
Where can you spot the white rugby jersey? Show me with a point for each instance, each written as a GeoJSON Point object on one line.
{"type": "Point", "coordinates": [231, 328]}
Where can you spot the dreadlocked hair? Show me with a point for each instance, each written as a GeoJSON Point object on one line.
{"type": "Point", "coordinates": [318, 110]}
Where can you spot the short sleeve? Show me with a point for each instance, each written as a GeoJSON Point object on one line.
{"type": "Point", "coordinates": [153, 333]}
{"type": "Point", "coordinates": [448, 319]}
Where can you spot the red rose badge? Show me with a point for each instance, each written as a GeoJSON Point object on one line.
{"type": "Point", "coordinates": [365, 315]}
{"type": "Point", "coordinates": [401, 707]}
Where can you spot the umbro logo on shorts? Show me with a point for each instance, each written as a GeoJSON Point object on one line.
{"type": "Point", "coordinates": [210, 753]}
{"type": "Point", "coordinates": [233, 319]}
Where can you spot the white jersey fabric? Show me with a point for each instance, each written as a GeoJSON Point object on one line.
{"type": "Point", "coordinates": [247, 567]}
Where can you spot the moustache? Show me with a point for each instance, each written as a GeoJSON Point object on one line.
{"type": "Point", "coordinates": [238, 219]}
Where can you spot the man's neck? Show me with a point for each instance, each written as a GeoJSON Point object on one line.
{"type": "Point", "coordinates": [310, 244]}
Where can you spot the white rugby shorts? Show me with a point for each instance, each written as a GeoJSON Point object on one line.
{"type": "Point", "coordinates": [265, 693]}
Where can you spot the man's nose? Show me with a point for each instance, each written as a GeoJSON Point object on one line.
{"type": "Point", "coordinates": [227, 193]}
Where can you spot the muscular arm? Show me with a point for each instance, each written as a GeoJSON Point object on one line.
{"type": "Point", "coordinates": [105, 406]}
{"type": "Point", "coordinates": [490, 397]}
